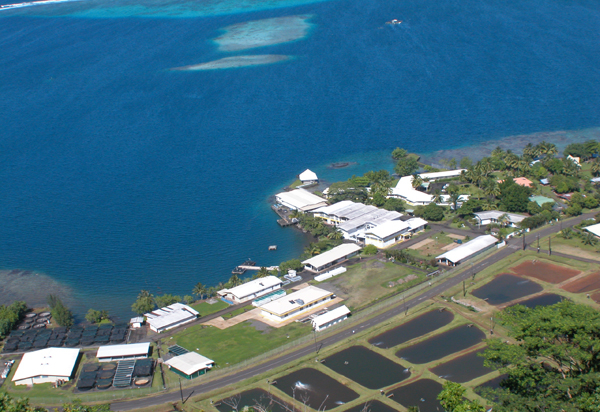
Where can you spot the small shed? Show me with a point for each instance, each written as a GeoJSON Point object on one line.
{"type": "Point", "coordinates": [190, 365]}
{"type": "Point", "coordinates": [136, 322]}
{"type": "Point", "coordinates": [330, 318]}
{"type": "Point", "coordinates": [308, 176]}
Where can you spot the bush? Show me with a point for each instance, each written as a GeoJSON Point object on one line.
{"type": "Point", "coordinates": [60, 313]}
{"type": "Point", "coordinates": [96, 316]}
{"type": "Point", "coordinates": [293, 264]}
{"type": "Point", "coordinates": [370, 250]}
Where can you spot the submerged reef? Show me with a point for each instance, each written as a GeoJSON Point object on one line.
{"type": "Point", "coordinates": [236, 61]}
{"type": "Point", "coordinates": [265, 32]}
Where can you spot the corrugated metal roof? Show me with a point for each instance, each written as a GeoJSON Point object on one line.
{"type": "Point", "coordinates": [332, 255]}
{"type": "Point", "coordinates": [114, 351]}
{"type": "Point", "coordinates": [468, 249]}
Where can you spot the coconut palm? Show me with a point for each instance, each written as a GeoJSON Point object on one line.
{"type": "Point", "coordinates": [512, 161]}
{"type": "Point", "coordinates": [437, 197]}
{"type": "Point", "coordinates": [503, 220]}
{"type": "Point", "coordinates": [262, 272]}
{"type": "Point", "coordinates": [312, 249]}
{"type": "Point", "coordinates": [491, 188]}
{"type": "Point", "coordinates": [547, 149]}
{"type": "Point", "coordinates": [567, 233]}
{"type": "Point", "coordinates": [335, 235]}
{"type": "Point", "coordinates": [234, 281]}
{"type": "Point", "coordinates": [199, 290]}
{"type": "Point", "coordinates": [417, 181]}
{"type": "Point", "coordinates": [529, 151]}
{"type": "Point", "coordinates": [454, 198]}
{"type": "Point", "coordinates": [589, 239]}
{"type": "Point", "coordinates": [596, 167]}
{"type": "Point", "coordinates": [523, 166]}
{"type": "Point", "coordinates": [498, 152]}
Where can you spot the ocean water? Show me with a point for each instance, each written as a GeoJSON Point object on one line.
{"type": "Point", "coordinates": [118, 174]}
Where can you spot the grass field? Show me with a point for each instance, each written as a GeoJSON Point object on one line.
{"type": "Point", "coordinates": [366, 282]}
{"type": "Point", "coordinates": [433, 249]}
{"type": "Point", "coordinates": [237, 343]}
{"type": "Point", "coordinates": [573, 246]}
{"type": "Point", "coordinates": [205, 308]}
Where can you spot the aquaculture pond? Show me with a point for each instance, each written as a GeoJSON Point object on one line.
{"type": "Point", "coordinates": [372, 406]}
{"type": "Point", "coordinates": [464, 368]}
{"type": "Point", "coordinates": [422, 393]}
{"type": "Point", "coordinates": [542, 300]}
{"type": "Point", "coordinates": [442, 345]}
{"type": "Point", "coordinates": [485, 387]}
{"type": "Point", "coordinates": [251, 398]}
{"type": "Point", "coordinates": [545, 271]}
{"type": "Point", "coordinates": [315, 389]}
{"type": "Point", "coordinates": [419, 326]}
{"type": "Point", "coordinates": [505, 288]}
{"type": "Point", "coordinates": [366, 367]}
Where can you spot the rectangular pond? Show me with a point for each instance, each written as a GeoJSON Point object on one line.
{"type": "Point", "coordinates": [545, 271]}
{"type": "Point", "coordinates": [464, 368]}
{"type": "Point", "coordinates": [366, 367]}
{"type": "Point", "coordinates": [419, 326]}
{"type": "Point", "coordinates": [252, 398]}
{"type": "Point", "coordinates": [484, 389]}
{"type": "Point", "coordinates": [372, 406]}
{"type": "Point", "coordinates": [442, 345]}
{"type": "Point", "coordinates": [546, 299]}
{"type": "Point", "coordinates": [315, 389]}
{"type": "Point", "coordinates": [422, 393]}
{"type": "Point", "coordinates": [506, 287]}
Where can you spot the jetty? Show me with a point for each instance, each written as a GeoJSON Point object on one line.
{"type": "Point", "coordinates": [283, 213]}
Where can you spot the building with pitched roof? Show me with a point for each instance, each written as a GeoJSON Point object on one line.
{"type": "Point", "coordinates": [46, 366]}
{"type": "Point", "coordinates": [170, 317]}
{"type": "Point", "coordinates": [251, 290]}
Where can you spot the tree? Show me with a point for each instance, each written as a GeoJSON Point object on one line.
{"type": "Point", "coordinates": [567, 233]}
{"type": "Point", "coordinates": [370, 250]}
{"type": "Point", "coordinates": [9, 317]}
{"type": "Point", "coordinates": [596, 167]}
{"type": "Point", "coordinates": [513, 197]}
{"type": "Point", "coordinates": [466, 163]}
{"type": "Point", "coordinates": [263, 272]}
{"type": "Point", "coordinates": [335, 235]}
{"type": "Point", "coordinates": [96, 316]}
{"type": "Point", "coordinates": [144, 303]}
{"type": "Point", "coordinates": [166, 300]}
{"type": "Point", "coordinates": [454, 198]}
{"type": "Point", "coordinates": [312, 249]}
{"type": "Point", "coordinates": [199, 290]}
{"type": "Point", "coordinates": [451, 398]}
{"type": "Point", "coordinates": [293, 264]}
{"type": "Point", "coordinates": [394, 204]}
{"type": "Point", "coordinates": [589, 239]}
{"type": "Point", "coordinates": [234, 281]}
{"type": "Point", "coordinates": [399, 153]}
{"type": "Point", "coordinates": [417, 181]}
{"type": "Point", "coordinates": [77, 406]}
{"type": "Point", "coordinates": [406, 166]}
{"type": "Point", "coordinates": [554, 364]}
{"type": "Point", "coordinates": [9, 404]}
{"type": "Point", "coordinates": [433, 212]}
{"type": "Point", "coordinates": [188, 300]}
{"type": "Point", "coordinates": [61, 314]}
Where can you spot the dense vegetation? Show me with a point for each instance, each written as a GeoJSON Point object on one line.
{"type": "Point", "coordinates": [9, 317]}
{"type": "Point", "coordinates": [60, 313]}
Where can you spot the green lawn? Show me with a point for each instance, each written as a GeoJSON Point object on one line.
{"type": "Point", "coordinates": [238, 311]}
{"type": "Point", "coordinates": [206, 308]}
{"type": "Point", "coordinates": [366, 282]}
{"type": "Point", "coordinates": [237, 343]}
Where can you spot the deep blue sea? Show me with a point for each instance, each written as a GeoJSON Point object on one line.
{"type": "Point", "coordinates": [117, 174]}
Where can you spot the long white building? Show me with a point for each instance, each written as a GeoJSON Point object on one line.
{"type": "Point", "coordinates": [300, 199]}
{"type": "Point", "coordinates": [332, 257]}
{"type": "Point", "coordinates": [46, 366]}
{"type": "Point", "coordinates": [296, 303]}
{"type": "Point", "coordinates": [405, 191]}
{"type": "Point", "coordinates": [251, 290]}
{"type": "Point", "coordinates": [467, 250]}
{"type": "Point", "coordinates": [170, 317]}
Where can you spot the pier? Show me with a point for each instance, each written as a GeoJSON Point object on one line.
{"type": "Point", "coordinates": [283, 213]}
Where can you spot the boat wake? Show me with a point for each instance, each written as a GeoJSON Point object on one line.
{"type": "Point", "coordinates": [32, 3]}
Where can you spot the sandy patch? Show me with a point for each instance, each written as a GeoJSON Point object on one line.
{"type": "Point", "coordinates": [453, 236]}
{"type": "Point", "coordinates": [584, 284]}
{"type": "Point", "coordinates": [421, 244]}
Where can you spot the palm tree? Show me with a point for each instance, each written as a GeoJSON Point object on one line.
{"type": "Point", "coordinates": [437, 197]}
{"type": "Point", "coordinates": [498, 152]}
{"type": "Point", "coordinates": [512, 161]}
{"type": "Point", "coordinates": [234, 281]}
{"type": "Point", "coordinates": [529, 151]}
{"type": "Point", "coordinates": [567, 233]}
{"type": "Point", "coordinates": [548, 149]}
{"type": "Point", "coordinates": [504, 220]}
{"type": "Point", "coordinates": [523, 166]}
{"type": "Point", "coordinates": [335, 235]}
{"type": "Point", "coordinates": [312, 249]}
{"type": "Point", "coordinates": [491, 188]}
{"type": "Point", "coordinates": [417, 181]}
{"type": "Point", "coordinates": [596, 167]}
{"type": "Point", "coordinates": [454, 198]}
{"type": "Point", "coordinates": [199, 290]}
{"type": "Point", "coordinates": [589, 239]}
{"type": "Point", "coordinates": [262, 272]}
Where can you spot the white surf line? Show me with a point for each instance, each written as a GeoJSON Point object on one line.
{"type": "Point", "coordinates": [32, 3]}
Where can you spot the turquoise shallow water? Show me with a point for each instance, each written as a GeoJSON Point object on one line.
{"type": "Point", "coordinates": [118, 174]}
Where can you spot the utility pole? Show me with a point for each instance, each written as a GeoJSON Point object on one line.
{"type": "Point", "coordinates": [181, 391]}
{"type": "Point", "coordinates": [523, 241]}
{"type": "Point", "coordinates": [538, 239]}
{"type": "Point", "coordinates": [549, 245]}
{"type": "Point", "coordinates": [464, 288]}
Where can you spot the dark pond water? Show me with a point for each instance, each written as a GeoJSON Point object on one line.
{"type": "Point", "coordinates": [422, 393]}
{"type": "Point", "coordinates": [505, 288]}
{"type": "Point", "coordinates": [419, 326]}
{"type": "Point", "coordinates": [316, 389]}
{"type": "Point", "coordinates": [464, 368]}
{"type": "Point", "coordinates": [542, 300]}
{"type": "Point", "coordinates": [441, 345]}
{"type": "Point", "coordinates": [366, 367]}
{"type": "Point", "coordinates": [252, 398]}
{"type": "Point", "coordinates": [484, 388]}
{"type": "Point", "coordinates": [372, 406]}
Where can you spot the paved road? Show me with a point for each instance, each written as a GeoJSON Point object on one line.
{"type": "Point", "coordinates": [512, 246]}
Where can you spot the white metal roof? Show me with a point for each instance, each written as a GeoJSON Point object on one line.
{"type": "Point", "coordinates": [334, 314]}
{"type": "Point", "coordinates": [190, 362]}
{"type": "Point", "coordinates": [295, 300]}
{"type": "Point", "coordinates": [470, 248]}
{"type": "Point", "coordinates": [308, 175]}
{"type": "Point", "coordinates": [495, 214]}
{"type": "Point", "coordinates": [332, 255]}
{"type": "Point", "coordinates": [114, 351]}
{"type": "Point", "coordinates": [334, 208]}
{"type": "Point", "coordinates": [375, 218]}
{"type": "Point", "coordinates": [416, 222]}
{"type": "Point", "coordinates": [388, 229]}
{"type": "Point", "coordinates": [301, 199]}
{"type": "Point", "coordinates": [47, 362]}
{"type": "Point", "coordinates": [442, 175]}
{"type": "Point", "coordinates": [253, 286]}
{"type": "Point", "coordinates": [594, 229]}
{"type": "Point", "coordinates": [405, 190]}
{"type": "Point", "coordinates": [170, 315]}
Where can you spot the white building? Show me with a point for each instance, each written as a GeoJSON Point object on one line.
{"type": "Point", "coordinates": [468, 250]}
{"type": "Point", "coordinates": [46, 366]}
{"type": "Point", "coordinates": [594, 229]}
{"type": "Point", "coordinates": [330, 318]}
{"type": "Point", "coordinates": [190, 365]}
{"type": "Point", "coordinates": [123, 352]}
{"type": "Point", "coordinates": [405, 191]}
{"type": "Point", "coordinates": [136, 322]}
{"type": "Point", "coordinates": [251, 290]}
{"type": "Point", "coordinates": [493, 216]}
{"type": "Point", "coordinates": [300, 199]}
{"type": "Point", "coordinates": [342, 211]}
{"type": "Point", "coordinates": [332, 257]}
{"type": "Point", "coordinates": [387, 234]}
{"type": "Point", "coordinates": [170, 317]}
{"type": "Point", "coordinates": [296, 303]}
{"type": "Point", "coordinates": [416, 224]}
{"type": "Point", "coordinates": [308, 177]}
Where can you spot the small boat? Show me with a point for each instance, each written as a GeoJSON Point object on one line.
{"type": "Point", "coordinates": [395, 21]}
